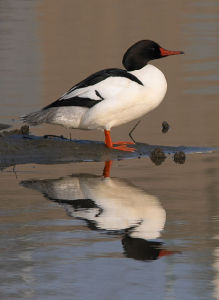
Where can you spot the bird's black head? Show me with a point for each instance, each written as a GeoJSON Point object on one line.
{"type": "Point", "coordinates": [139, 54]}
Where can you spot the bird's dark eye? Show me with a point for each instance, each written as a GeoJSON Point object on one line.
{"type": "Point", "coordinates": [153, 49]}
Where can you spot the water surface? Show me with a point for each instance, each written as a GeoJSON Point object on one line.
{"type": "Point", "coordinates": [142, 230]}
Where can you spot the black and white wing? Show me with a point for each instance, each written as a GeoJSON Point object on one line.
{"type": "Point", "coordinates": [95, 88]}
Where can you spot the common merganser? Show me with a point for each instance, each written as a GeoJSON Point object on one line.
{"type": "Point", "coordinates": [111, 97]}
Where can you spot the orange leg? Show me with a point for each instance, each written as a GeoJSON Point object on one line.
{"type": "Point", "coordinates": [106, 170]}
{"type": "Point", "coordinates": [110, 144]}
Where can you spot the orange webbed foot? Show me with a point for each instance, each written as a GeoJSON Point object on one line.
{"type": "Point", "coordinates": [123, 146]}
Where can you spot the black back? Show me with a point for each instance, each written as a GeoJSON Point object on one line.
{"type": "Point", "coordinates": [102, 75]}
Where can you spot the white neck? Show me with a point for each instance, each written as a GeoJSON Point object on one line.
{"type": "Point", "coordinates": [153, 78]}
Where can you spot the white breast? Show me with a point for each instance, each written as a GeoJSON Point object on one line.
{"type": "Point", "coordinates": [154, 82]}
{"type": "Point", "coordinates": [131, 103]}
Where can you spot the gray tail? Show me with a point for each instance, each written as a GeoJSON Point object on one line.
{"type": "Point", "coordinates": [38, 117]}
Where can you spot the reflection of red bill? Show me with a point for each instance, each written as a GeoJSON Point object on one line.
{"type": "Point", "coordinates": [166, 252]}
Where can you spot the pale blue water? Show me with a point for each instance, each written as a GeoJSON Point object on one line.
{"type": "Point", "coordinates": [147, 231]}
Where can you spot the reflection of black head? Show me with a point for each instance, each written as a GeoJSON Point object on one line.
{"type": "Point", "coordinates": [141, 249]}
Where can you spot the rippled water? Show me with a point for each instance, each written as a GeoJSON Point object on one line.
{"type": "Point", "coordinates": [138, 229]}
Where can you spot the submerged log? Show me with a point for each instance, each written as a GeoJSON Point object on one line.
{"type": "Point", "coordinates": [18, 147]}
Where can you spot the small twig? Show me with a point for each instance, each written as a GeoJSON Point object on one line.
{"type": "Point", "coordinates": [14, 171]}
{"type": "Point", "coordinates": [130, 133]}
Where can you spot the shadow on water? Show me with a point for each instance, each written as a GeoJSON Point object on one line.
{"type": "Point", "coordinates": [17, 147]}
{"type": "Point", "coordinates": [112, 205]}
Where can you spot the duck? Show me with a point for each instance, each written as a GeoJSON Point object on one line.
{"type": "Point", "coordinates": [111, 97]}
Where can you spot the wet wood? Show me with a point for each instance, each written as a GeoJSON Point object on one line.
{"type": "Point", "coordinates": [24, 149]}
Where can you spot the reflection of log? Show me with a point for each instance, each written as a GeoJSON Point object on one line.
{"type": "Point", "coordinates": [23, 149]}
{"type": "Point", "coordinates": [4, 126]}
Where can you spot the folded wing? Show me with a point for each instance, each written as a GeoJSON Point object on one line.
{"type": "Point", "coordinates": [96, 88]}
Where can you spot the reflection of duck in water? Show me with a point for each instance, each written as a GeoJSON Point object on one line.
{"type": "Point", "coordinates": [110, 204]}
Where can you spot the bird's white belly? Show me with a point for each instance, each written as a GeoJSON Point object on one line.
{"type": "Point", "coordinates": [131, 103]}
{"type": "Point", "coordinates": [127, 107]}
